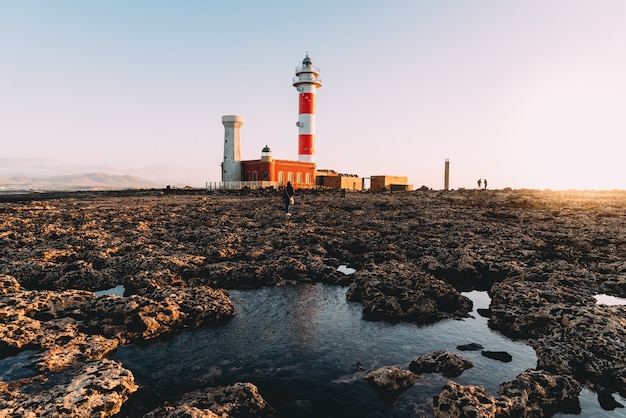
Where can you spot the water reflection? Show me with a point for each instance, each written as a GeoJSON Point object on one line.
{"type": "Point", "coordinates": [303, 320]}
{"type": "Point", "coordinates": [301, 343]}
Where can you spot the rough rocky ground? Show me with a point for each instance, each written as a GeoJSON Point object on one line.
{"type": "Point", "coordinates": [541, 255]}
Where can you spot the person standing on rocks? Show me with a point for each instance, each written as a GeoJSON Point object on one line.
{"type": "Point", "coordinates": [288, 193]}
{"type": "Point", "coordinates": [485, 181]}
{"type": "Point", "coordinates": [479, 183]}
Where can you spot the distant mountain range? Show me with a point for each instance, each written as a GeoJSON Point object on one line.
{"type": "Point", "coordinates": [74, 181]}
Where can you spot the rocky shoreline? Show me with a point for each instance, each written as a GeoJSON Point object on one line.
{"type": "Point", "coordinates": [541, 255]}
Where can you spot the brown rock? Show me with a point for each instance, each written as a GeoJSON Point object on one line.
{"type": "Point", "coordinates": [238, 400]}
{"type": "Point", "coordinates": [18, 332]}
{"type": "Point", "coordinates": [94, 389]}
{"type": "Point", "coordinates": [64, 345]}
{"type": "Point", "coordinates": [442, 361]}
{"type": "Point", "coordinates": [456, 400]}
{"type": "Point", "coordinates": [571, 335]}
{"type": "Point", "coordinates": [545, 253]}
{"type": "Point", "coordinates": [45, 304]}
{"type": "Point", "coordinates": [164, 310]}
{"type": "Point", "coordinates": [542, 392]}
{"type": "Point", "coordinates": [44, 320]}
{"type": "Point", "coordinates": [403, 292]}
{"type": "Point", "coordinates": [391, 379]}
{"type": "Point", "coordinates": [8, 284]}
{"type": "Point", "coordinates": [532, 394]}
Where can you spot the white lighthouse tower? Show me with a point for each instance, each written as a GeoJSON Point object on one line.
{"type": "Point", "coordinates": [231, 166]}
{"type": "Point", "coordinates": [307, 80]}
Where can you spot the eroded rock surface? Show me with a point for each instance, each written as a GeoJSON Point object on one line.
{"type": "Point", "coordinates": [442, 361]}
{"type": "Point", "coordinates": [49, 321]}
{"type": "Point", "coordinates": [531, 394]}
{"type": "Point", "coordinates": [396, 291]}
{"type": "Point", "coordinates": [545, 254]}
{"type": "Point", "coordinates": [456, 400]}
{"type": "Point", "coordinates": [570, 333]}
{"type": "Point", "coordinates": [73, 331]}
{"type": "Point", "coordinates": [161, 311]}
{"type": "Point", "coordinates": [390, 379]}
{"type": "Point", "coordinates": [541, 393]}
{"type": "Point", "coordinates": [237, 401]}
{"type": "Point", "coordinates": [94, 389]}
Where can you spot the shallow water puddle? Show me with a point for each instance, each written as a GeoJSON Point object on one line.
{"type": "Point", "coordinates": [345, 269]}
{"type": "Point", "coordinates": [301, 343]}
{"type": "Point", "coordinates": [116, 291]}
{"type": "Point", "coordinates": [603, 299]}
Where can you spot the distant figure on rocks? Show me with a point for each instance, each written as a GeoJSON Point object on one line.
{"type": "Point", "coordinates": [479, 183]}
{"type": "Point", "coordinates": [288, 193]}
{"type": "Point", "coordinates": [485, 181]}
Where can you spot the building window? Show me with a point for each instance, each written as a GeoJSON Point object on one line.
{"type": "Point", "coordinates": [290, 176]}
{"type": "Point", "coordinates": [299, 178]}
{"type": "Point", "coordinates": [308, 178]}
{"type": "Point", "coordinates": [266, 176]}
{"type": "Point", "coordinates": [281, 177]}
{"type": "Point", "coordinates": [247, 176]}
{"type": "Point", "coordinates": [255, 175]}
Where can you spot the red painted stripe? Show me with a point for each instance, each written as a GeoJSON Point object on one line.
{"type": "Point", "coordinates": [305, 144]}
{"type": "Point", "coordinates": [307, 103]}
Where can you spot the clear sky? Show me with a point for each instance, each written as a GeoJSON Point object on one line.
{"type": "Point", "coordinates": [528, 94]}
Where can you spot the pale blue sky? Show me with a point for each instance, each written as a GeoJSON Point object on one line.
{"type": "Point", "coordinates": [525, 94]}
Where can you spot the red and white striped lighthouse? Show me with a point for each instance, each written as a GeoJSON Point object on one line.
{"type": "Point", "coordinates": [307, 80]}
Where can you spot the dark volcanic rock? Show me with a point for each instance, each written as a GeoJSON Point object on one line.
{"type": "Point", "coordinates": [73, 330]}
{"type": "Point", "coordinates": [543, 392]}
{"type": "Point", "coordinates": [8, 284]}
{"type": "Point", "coordinates": [391, 379]}
{"type": "Point", "coordinates": [64, 344]}
{"type": "Point", "coordinates": [163, 311]}
{"type": "Point", "coordinates": [502, 356]}
{"type": "Point", "coordinates": [403, 292]}
{"type": "Point", "coordinates": [542, 255]}
{"type": "Point", "coordinates": [237, 401]}
{"type": "Point", "coordinates": [96, 388]}
{"type": "Point", "coordinates": [47, 320]}
{"type": "Point", "coordinates": [485, 313]}
{"type": "Point", "coordinates": [607, 401]}
{"type": "Point", "coordinates": [571, 335]}
{"type": "Point", "coordinates": [444, 362]}
{"type": "Point", "coordinates": [532, 394]}
{"type": "Point", "coordinates": [456, 400]}
{"type": "Point", "coordinates": [470, 347]}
